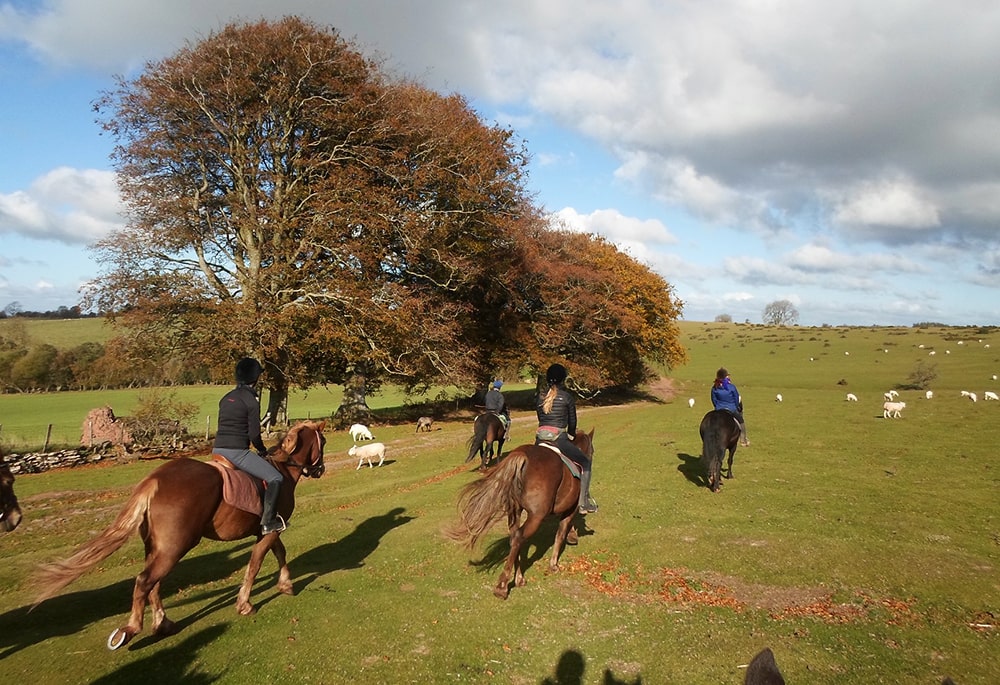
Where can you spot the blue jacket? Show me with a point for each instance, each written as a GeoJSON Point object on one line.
{"type": "Point", "coordinates": [726, 396]}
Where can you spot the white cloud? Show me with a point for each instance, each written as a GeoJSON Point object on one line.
{"type": "Point", "coordinates": [888, 203]}
{"type": "Point", "coordinates": [619, 229]}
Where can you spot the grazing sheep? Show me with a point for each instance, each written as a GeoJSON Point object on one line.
{"type": "Point", "coordinates": [994, 376]}
{"type": "Point", "coordinates": [965, 393]}
{"type": "Point", "coordinates": [891, 395]}
{"type": "Point", "coordinates": [424, 422]}
{"type": "Point", "coordinates": [931, 353]}
{"type": "Point", "coordinates": [990, 395]}
{"type": "Point", "coordinates": [972, 396]}
{"type": "Point", "coordinates": [778, 398]}
{"type": "Point", "coordinates": [929, 394]}
{"type": "Point", "coordinates": [360, 432]}
{"type": "Point", "coordinates": [892, 409]}
{"type": "Point", "coordinates": [691, 402]}
{"type": "Point", "coordinates": [851, 397]}
{"type": "Point", "coordinates": [363, 452]}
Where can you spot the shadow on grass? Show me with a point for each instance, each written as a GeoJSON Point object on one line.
{"type": "Point", "coordinates": [570, 669]}
{"type": "Point", "coordinates": [349, 551]}
{"type": "Point", "coordinates": [72, 612]}
{"type": "Point", "coordinates": [538, 546]}
{"type": "Point", "coordinates": [177, 664]}
{"type": "Point", "coordinates": [693, 469]}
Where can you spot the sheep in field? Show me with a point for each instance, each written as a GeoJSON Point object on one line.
{"type": "Point", "coordinates": [929, 394]}
{"type": "Point", "coordinates": [892, 409]}
{"type": "Point", "coordinates": [424, 423]}
{"type": "Point", "coordinates": [363, 452]}
{"type": "Point", "coordinates": [851, 397]}
{"type": "Point", "coordinates": [778, 397]}
{"type": "Point", "coordinates": [891, 395]}
{"type": "Point", "coordinates": [990, 395]}
{"type": "Point", "coordinates": [691, 402]}
{"type": "Point", "coordinates": [972, 396]}
{"type": "Point", "coordinates": [360, 432]}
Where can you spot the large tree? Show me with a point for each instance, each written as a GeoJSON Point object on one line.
{"type": "Point", "coordinates": [290, 202]}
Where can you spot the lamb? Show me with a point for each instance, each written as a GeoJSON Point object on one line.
{"type": "Point", "coordinates": [691, 402]}
{"type": "Point", "coordinates": [851, 397]}
{"type": "Point", "coordinates": [891, 395]}
{"type": "Point", "coordinates": [360, 432]}
{"type": "Point", "coordinates": [892, 409]}
{"type": "Point", "coordinates": [778, 397]}
{"type": "Point", "coordinates": [972, 396]}
{"type": "Point", "coordinates": [929, 394]}
{"type": "Point", "coordinates": [424, 423]}
{"type": "Point", "coordinates": [363, 452]}
{"type": "Point", "coordinates": [990, 395]}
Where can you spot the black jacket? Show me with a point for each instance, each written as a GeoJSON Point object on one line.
{"type": "Point", "coordinates": [563, 412]}
{"type": "Point", "coordinates": [239, 420]}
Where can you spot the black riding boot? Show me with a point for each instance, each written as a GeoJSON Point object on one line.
{"type": "Point", "coordinates": [587, 504]}
{"type": "Point", "coordinates": [271, 522]}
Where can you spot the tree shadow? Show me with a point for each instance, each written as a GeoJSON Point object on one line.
{"type": "Point", "coordinates": [570, 669]}
{"type": "Point", "coordinates": [70, 613]}
{"type": "Point", "coordinates": [693, 469]}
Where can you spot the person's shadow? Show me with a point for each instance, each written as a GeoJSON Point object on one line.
{"type": "Point", "coordinates": [569, 671]}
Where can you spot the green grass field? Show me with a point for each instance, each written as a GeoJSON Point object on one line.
{"type": "Point", "coordinates": [860, 549]}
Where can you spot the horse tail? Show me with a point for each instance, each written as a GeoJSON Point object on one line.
{"type": "Point", "coordinates": [475, 443]}
{"type": "Point", "coordinates": [53, 577]}
{"type": "Point", "coordinates": [493, 497]}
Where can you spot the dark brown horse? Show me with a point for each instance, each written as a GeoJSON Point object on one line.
{"type": "Point", "coordinates": [176, 506]}
{"type": "Point", "coordinates": [487, 431]}
{"type": "Point", "coordinates": [720, 431]}
{"type": "Point", "coordinates": [10, 511]}
{"type": "Point", "coordinates": [533, 479]}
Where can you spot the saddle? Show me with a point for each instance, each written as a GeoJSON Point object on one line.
{"type": "Point", "coordinates": [239, 489]}
{"type": "Point", "coordinates": [573, 467]}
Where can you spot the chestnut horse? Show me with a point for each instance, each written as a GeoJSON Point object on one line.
{"type": "Point", "coordinates": [10, 511]}
{"type": "Point", "coordinates": [487, 430]}
{"type": "Point", "coordinates": [720, 431]}
{"type": "Point", "coordinates": [534, 479]}
{"type": "Point", "coordinates": [173, 508]}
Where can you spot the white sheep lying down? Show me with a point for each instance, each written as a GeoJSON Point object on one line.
{"type": "Point", "coordinates": [363, 452]}
{"type": "Point", "coordinates": [892, 409]}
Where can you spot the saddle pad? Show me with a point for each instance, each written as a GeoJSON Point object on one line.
{"type": "Point", "coordinates": [573, 467]}
{"type": "Point", "coordinates": [238, 488]}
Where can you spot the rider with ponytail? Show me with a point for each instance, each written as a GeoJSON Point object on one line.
{"type": "Point", "coordinates": [556, 410]}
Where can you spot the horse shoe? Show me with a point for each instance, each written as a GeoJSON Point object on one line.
{"type": "Point", "coordinates": [112, 645]}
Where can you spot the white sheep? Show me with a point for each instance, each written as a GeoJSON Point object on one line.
{"type": "Point", "coordinates": [890, 396]}
{"type": "Point", "coordinates": [892, 409]}
{"type": "Point", "coordinates": [994, 376]}
{"type": "Point", "coordinates": [778, 397]}
{"type": "Point", "coordinates": [851, 397]}
{"type": "Point", "coordinates": [931, 353]}
{"type": "Point", "coordinates": [360, 432]}
{"type": "Point", "coordinates": [972, 396]}
{"type": "Point", "coordinates": [691, 402]}
{"type": "Point", "coordinates": [990, 395]}
{"type": "Point", "coordinates": [363, 452]}
{"type": "Point", "coordinates": [965, 393]}
{"type": "Point", "coordinates": [929, 394]}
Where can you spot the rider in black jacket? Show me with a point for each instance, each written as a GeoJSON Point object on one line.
{"type": "Point", "coordinates": [556, 411]}
{"type": "Point", "coordinates": [239, 429]}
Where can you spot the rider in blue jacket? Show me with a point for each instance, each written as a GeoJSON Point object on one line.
{"type": "Point", "coordinates": [726, 396]}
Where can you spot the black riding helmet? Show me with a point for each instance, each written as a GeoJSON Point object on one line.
{"type": "Point", "coordinates": [556, 374]}
{"type": "Point", "coordinates": [248, 371]}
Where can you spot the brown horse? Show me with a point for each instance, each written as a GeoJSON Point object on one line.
{"type": "Point", "coordinates": [487, 430]}
{"type": "Point", "coordinates": [720, 431]}
{"type": "Point", "coordinates": [534, 479]}
{"type": "Point", "coordinates": [176, 506]}
{"type": "Point", "coordinates": [10, 511]}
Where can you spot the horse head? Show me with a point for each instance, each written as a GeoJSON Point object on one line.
{"type": "Point", "coordinates": [302, 447]}
{"type": "Point", "coordinates": [10, 511]}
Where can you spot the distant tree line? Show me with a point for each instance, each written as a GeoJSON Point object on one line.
{"type": "Point", "coordinates": [14, 309]}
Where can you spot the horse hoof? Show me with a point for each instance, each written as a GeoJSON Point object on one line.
{"type": "Point", "coordinates": [123, 637]}
{"type": "Point", "coordinates": [246, 609]}
{"type": "Point", "coordinates": [501, 593]}
{"type": "Point", "coordinates": [166, 627]}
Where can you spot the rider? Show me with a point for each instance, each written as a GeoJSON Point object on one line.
{"type": "Point", "coordinates": [557, 418]}
{"type": "Point", "coordinates": [726, 396]}
{"type": "Point", "coordinates": [496, 403]}
{"type": "Point", "coordinates": [239, 429]}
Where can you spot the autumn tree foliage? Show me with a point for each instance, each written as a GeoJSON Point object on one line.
{"type": "Point", "coordinates": [289, 201]}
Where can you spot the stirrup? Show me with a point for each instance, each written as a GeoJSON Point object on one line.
{"type": "Point", "coordinates": [276, 526]}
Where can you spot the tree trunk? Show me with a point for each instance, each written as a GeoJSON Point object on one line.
{"type": "Point", "coordinates": [354, 407]}
{"type": "Point", "coordinates": [277, 405]}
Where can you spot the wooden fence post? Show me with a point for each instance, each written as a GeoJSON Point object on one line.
{"type": "Point", "coordinates": [48, 436]}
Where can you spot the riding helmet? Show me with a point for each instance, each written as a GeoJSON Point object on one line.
{"type": "Point", "coordinates": [556, 374]}
{"type": "Point", "coordinates": [248, 371]}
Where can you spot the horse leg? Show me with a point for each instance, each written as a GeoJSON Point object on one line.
{"type": "Point", "coordinates": [284, 575]}
{"type": "Point", "coordinates": [560, 541]}
{"type": "Point", "coordinates": [729, 462]}
{"type": "Point", "coordinates": [243, 605]}
{"type": "Point", "coordinates": [529, 528]}
{"type": "Point", "coordinates": [146, 589]}
{"type": "Point", "coordinates": [484, 455]}
{"type": "Point", "coordinates": [511, 565]}
{"type": "Point", "coordinates": [162, 626]}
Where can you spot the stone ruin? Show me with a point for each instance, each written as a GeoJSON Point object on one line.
{"type": "Point", "coordinates": [102, 427]}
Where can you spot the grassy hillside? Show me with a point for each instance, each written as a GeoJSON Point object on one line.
{"type": "Point", "coordinates": [62, 334]}
{"type": "Point", "coordinates": [860, 549]}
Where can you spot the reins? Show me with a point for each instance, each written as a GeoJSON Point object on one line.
{"type": "Point", "coordinates": [306, 466]}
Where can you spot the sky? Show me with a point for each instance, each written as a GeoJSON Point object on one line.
{"type": "Point", "coordinates": [843, 156]}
